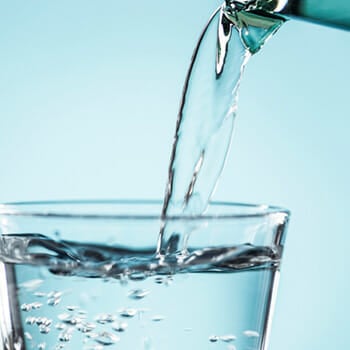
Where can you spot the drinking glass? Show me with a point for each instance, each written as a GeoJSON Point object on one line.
{"type": "Point", "coordinates": [89, 275]}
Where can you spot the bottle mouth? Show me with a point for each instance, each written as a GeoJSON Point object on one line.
{"type": "Point", "coordinates": [135, 209]}
{"type": "Point", "coordinates": [258, 5]}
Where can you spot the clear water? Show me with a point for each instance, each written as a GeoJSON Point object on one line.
{"type": "Point", "coordinates": [76, 296]}
{"type": "Point", "coordinates": [65, 295]}
{"type": "Point", "coordinates": [208, 108]}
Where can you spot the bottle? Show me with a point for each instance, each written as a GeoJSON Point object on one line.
{"type": "Point", "coordinates": [328, 12]}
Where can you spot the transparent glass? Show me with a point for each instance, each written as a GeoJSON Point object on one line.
{"type": "Point", "coordinates": [87, 275]}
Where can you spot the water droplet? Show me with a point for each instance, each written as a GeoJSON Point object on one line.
{"type": "Point", "coordinates": [251, 334]}
{"type": "Point", "coordinates": [106, 338]}
{"type": "Point", "coordinates": [66, 335]}
{"type": "Point", "coordinates": [86, 327]}
{"type": "Point", "coordinates": [228, 338]}
{"type": "Point", "coordinates": [213, 338]}
{"type": "Point", "coordinates": [105, 318]}
{"type": "Point", "coordinates": [28, 335]}
{"type": "Point", "coordinates": [42, 346]}
{"type": "Point", "coordinates": [128, 312]}
{"type": "Point", "coordinates": [119, 326]}
{"type": "Point", "coordinates": [137, 294]}
{"type": "Point", "coordinates": [44, 329]}
{"type": "Point", "coordinates": [158, 318]}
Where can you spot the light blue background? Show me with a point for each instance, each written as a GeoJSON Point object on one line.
{"type": "Point", "coordinates": [70, 127]}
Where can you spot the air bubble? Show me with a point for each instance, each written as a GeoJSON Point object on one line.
{"type": "Point", "coordinates": [86, 327]}
{"type": "Point", "coordinates": [43, 321]}
{"type": "Point", "coordinates": [69, 319]}
{"type": "Point", "coordinates": [137, 276]}
{"type": "Point", "coordinates": [159, 280]}
{"type": "Point", "coordinates": [42, 346]}
{"type": "Point", "coordinates": [31, 306]}
{"type": "Point", "coordinates": [36, 305]}
{"type": "Point", "coordinates": [119, 326]}
{"type": "Point", "coordinates": [228, 338]}
{"type": "Point", "coordinates": [28, 336]}
{"type": "Point", "coordinates": [30, 320]}
{"type": "Point", "coordinates": [66, 335]}
{"type": "Point", "coordinates": [106, 338]}
{"type": "Point", "coordinates": [137, 294]}
{"type": "Point", "coordinates": [53, 301]}
{"type": "Point", "coordinates": [72, 307]}
{"type": "Point", "coordinates": [44, 329]}
{"type": "Point", "coordinates": [92, 335]}
{"type": "Point", "coordinates": [213, 338]}
{"type": "Point", "coordinates": [251, 334]}
{"type": "Point", "coordinates": [105, 318]}
{"type": "Point", "coordinates": [40, 294]}
{"type": "Point", "coordinates": [26, 307]}
{"type": "Point", "coordinates": [60, 326]}
{"type": "Point", "coordinates": [128, 312]}
{"type": "Point", "coordinates": [158, 318]}
{"type": "Point", "coordinates": [54, 294]}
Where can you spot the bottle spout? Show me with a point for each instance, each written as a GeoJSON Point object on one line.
{"type": "Point", "coordinates": [334, 13]}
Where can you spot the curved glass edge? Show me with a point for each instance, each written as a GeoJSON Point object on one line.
{"type": "Point", "coordinates": [51, 209]}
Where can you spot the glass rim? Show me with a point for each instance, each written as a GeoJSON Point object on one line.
{"type": "Point", "coordinates": [19, 209]}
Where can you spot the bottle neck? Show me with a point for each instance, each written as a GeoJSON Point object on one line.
{"type": "Point", "coordinates": [334, 13]}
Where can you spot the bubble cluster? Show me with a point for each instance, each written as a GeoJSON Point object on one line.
{"type": "Point", "coordinates": [57, 317]}
{"type": "Point", "coordinates": [31, 306]}
{"type": "Point", "coordinates": [105, 318]}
